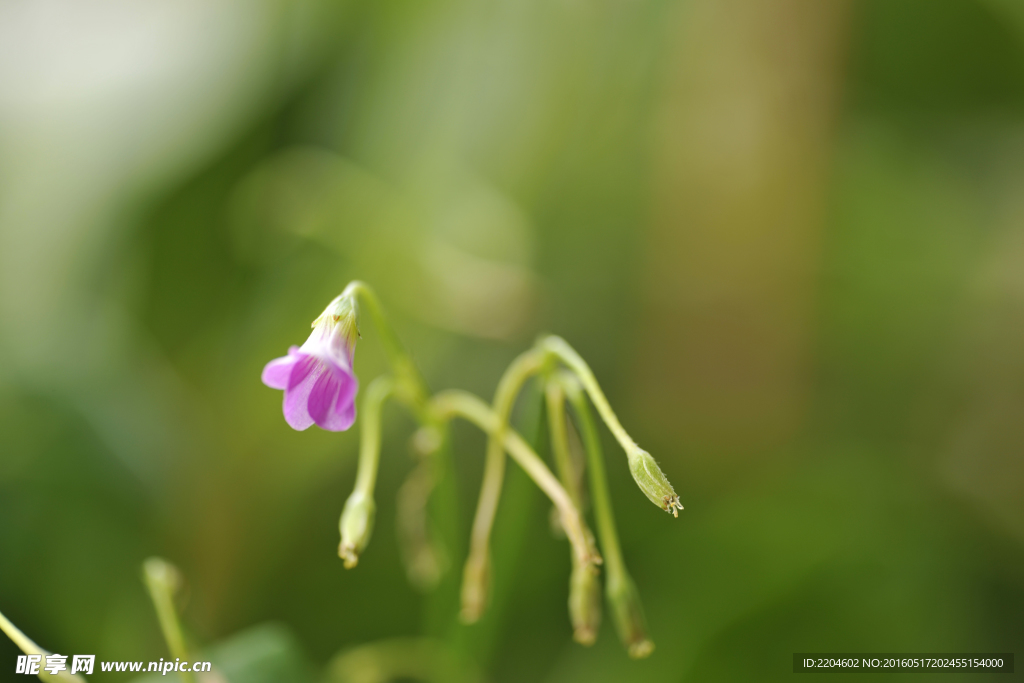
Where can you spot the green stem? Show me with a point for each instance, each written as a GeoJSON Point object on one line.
{"type": "Point", "coordinates": [24, 643]}
{"type": "Point", "coordinates": [644, 468]}
{"type": "Point", "coordinates": [604, 516]}
{"type": "Point", "coordinates": [554, 394]}
{"type": "Point", "coordinates": [411, 389]}
{"type": "Point", "coordinates": [369, 433]}
{"type": "Point", "coordinates": [565, 353]}
{"type": "Point", "coordinates": [162, 580]}
{"type": "Point", "coordinates": [475, 573]}
{"type": "Point", "coordinates": [452, 403]}
{"type": "Point", "coordinates": [28, 646]}
{"type": "Point", "coordinates": [584, 583]}
{"type": "Point", "coordinates": [356, 524]}
{"type": "Point", "coordinates": [619, 588]}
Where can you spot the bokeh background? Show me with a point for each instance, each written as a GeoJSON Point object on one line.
{"type": "Point", "coordinates": [788, 236]}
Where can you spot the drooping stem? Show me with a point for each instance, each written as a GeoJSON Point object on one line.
{"type": "Point", "coordinates": [474, 590]}
{"type": "Point", "coordinates": [356, 523]}
{"type": "Point", "coordinates": [411, 390]}
{"type": "Point", "coordinates": [369, 436]}
{"type": "Point", "coordinates": [565, 353]}
{"type": "Point", "coordinates": [554, 395]}
{"type": "Point", "coordinates": [604, 516]}
{"type": "Point", "coordinates": [410, 386]}
{"type": "Point", "coordinates": [163, 580]}
{"type": "Point", "coordinates": [28, 646]}
{"type": "Point", "coordinates": [585, 582]}
{"type": "Point", "coordinates": [644, 468]}
{"type": "Point", "coordinates": [457, 403]}
{"type": "Point", "coordinates": [619, 587]}
{"type": "Point", "coordinates": [423, 557]}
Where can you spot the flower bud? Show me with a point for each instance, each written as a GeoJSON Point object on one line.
{"type": "Point", "coordinates": [629, 616]}
{"type": "Point", "coordinates": [476, 579]}
{"type": "Point", "coordinates": [160, 574]}
{"type": "Point", "coordinates": [585, 602]}
{"type": "Point", "coordinates": [425, 561]}
{"type": "Point", "coordinates": [652, 481]}
{"type": "Point", "coordinates": [356, 527]}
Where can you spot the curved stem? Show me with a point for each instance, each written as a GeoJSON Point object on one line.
{"type": "Point", "coordinates": [644, 468]}
{"type": "Point", "coordinates": [356, 524]}
{"type": "Point", "coordinates": [162, 580]}
{"type": "Point", "coordinates": [565, 353]}
{"type": "Point", "coordinates": [622, 595]}
{"type": "Point", "coordinates": [29, 647]}
{"type": "Point", "coordinates": [554, 395]}
{"type": "Point", "coordinates": [584, 583]}
{"type": "Point", "coordinates": [369, 433]}
{"type": "Point", "coordinates": [452, 403]}
{"type": "Point", "coordinates": [410, 386]}
{"type": "Point", "coordinates": [475, 573]}
{"type": "Point", "coordinates": [604, 516]}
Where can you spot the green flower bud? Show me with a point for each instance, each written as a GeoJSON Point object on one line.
{"type": "Point", "coordinates": [356, 527]}
{"type": "Point", "coordinates": [476, 579]}
{"type": "Point", "coordinates": [585, 603]}
{"type": "Point", "coordinates": [652, 481]}
{"type": "Point", "coordinates": [628, 615]}
{"type": "Point", "coordinates": [161, 575]}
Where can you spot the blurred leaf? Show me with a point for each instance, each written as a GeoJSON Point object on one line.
{"type": "Point", "coordinates": [267, 653]}
{"type": "Point", "coordinates": [385, 661]}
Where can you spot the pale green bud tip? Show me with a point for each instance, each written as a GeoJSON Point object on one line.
{"type": "Point", "coordinates": [160, 572]}
{"type": "Point", "coordinates": [629, 618]}
{"type": "Point", "coordinates": [356, 527]}
{"type": "Point", "coordinates": [475, 582]}
{"type": "Point", "coordinates": [585, 603]}
{"type": "Point", "coordinates": [342, 308]}
{"type": "Point", "coordinates": [642, 649]}
{"type": "Point", "coordinates": [426, 441]}
{"type": "Point", "coordinates": [652, 481]}
{"type": "Point", "coordinates": [338, 322]}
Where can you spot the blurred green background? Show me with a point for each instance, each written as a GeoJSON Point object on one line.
{"type": "Point", "coordinates": [788, 236]}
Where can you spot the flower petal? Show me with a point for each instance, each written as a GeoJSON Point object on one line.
{"type": "Point", "coordinates": [333, 341]}
{"type": "Point", "coordinates": [332, 400]}
{"type": "Point", "coordinates": [305, 365]}
{"type": "Point", "coordinates": [347, 415]}
{"type": "Point", "coordinates": [277, 371]}
{"type": "Point", "coordinates": [305, 373]}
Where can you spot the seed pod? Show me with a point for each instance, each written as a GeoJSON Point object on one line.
{"type": "Point", "coordinates": [476, 580]}
{"type": "Point", "coordinates": [652, 481]}
{"type": "Point", "coordinates": [585, 603]}
{"type": "Point", "coordinates": [356, 527]}
{"type": "Point", "coordinates": [628, 615]}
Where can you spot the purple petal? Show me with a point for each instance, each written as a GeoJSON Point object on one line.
{"type": "Point", "coordinates": [277, 371]}
{"type": "Point", "coordinates": [347, 416]}
{"type": "Point", "coordinates": [304, 375]}
{"type": "Point", "coordinates": [332, 400]}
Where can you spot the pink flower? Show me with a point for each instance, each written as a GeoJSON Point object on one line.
{"type": "Point", "coordinates": [317, 378]}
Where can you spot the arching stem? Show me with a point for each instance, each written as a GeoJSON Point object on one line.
{"type": "Point", "coordinates": [620, 590]}
{"type": "Point", "coordinates": [410, 387]}
{"type": "Point", "coordinates": [457, 403]}
{"type": "Point", "coordinates": [476, 572]}
{"type": "Point", "coordinates": [356, 523]}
